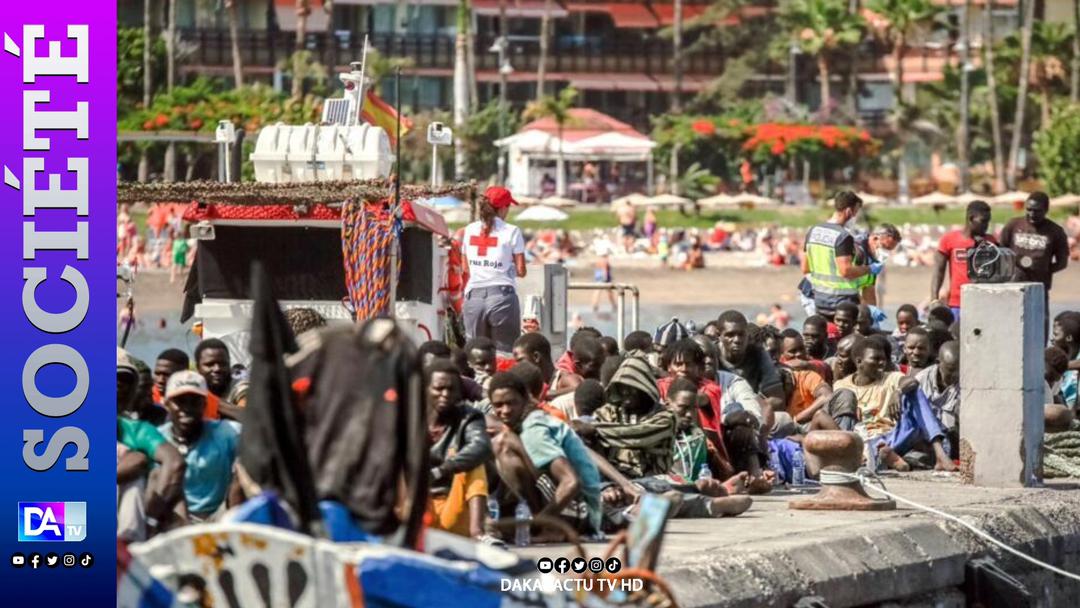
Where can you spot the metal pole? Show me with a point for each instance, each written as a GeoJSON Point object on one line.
{"type": "Point", "coordinates": [965, 97]}
{"type": "Point", "coordinates": [634, 309]}
{"type": "Point", "coordinates": [503, 108]}
{"type": "Point", "coordinates": [620, 321]}
{"type": "Point", "coordinates": [434, 166]}
{"type": "Point", "coordinates": [236, 157]}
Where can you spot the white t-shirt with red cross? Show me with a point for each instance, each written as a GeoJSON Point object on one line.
{"type": "Point", "coordinates": [491, 256]}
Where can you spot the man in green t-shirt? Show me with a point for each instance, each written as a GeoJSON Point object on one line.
{"type": "Point", "coordinates": [139, 444]}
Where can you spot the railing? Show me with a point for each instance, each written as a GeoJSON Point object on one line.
{"type": "Point", "coordinates": [259, 48]}
{"type": "Point", "coordinates": [595, 54]}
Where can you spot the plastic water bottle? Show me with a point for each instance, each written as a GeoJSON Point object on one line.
{"type": "Point", "coordinates": [524, 516]}
{"type": "Point", "coordinates": [774, 464]}
{"type": "Point", "coordinates": [705, 472]}
{"type": "Point", "coordinates": [493, 508]}
{"type": "Point", "coordinates": [798, 468]}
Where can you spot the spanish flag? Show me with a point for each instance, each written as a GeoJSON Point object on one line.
{"type": "Point", "coordinates": [381, 114]}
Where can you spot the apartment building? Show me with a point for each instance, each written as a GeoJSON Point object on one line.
{"type": "Point", "coordinates": [613, 51]}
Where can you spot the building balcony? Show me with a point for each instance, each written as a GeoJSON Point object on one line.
{"type": "Point", "coordinates": [209, 51]}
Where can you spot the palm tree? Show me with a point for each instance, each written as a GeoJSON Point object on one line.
{"type": "Point", "coordinates": [557, 107]}
{"type": "Point", "coordinates": [331, 58]}
{"type": "Point", "coordinates": [303, 9]}
{"type": "Point", "coordinates": [905, 17]}
{"type": "Point", "coordinates": [148, 78]}
{"type": "Point", "coordinates": [461, 86]}
{"type": "Point", "coordinates": [1049, 44]}
{"type": "Point", "coordinates": [545, 35]}
{"type": "Point", "coordinates": [170, 80]}
{"type": "Point", "coordinates": [963, 145]}
{"type": "Point", "coordinates": [820, 28]}
{"type": "Point", "coordinates": [1021, 96]}
{"type": "Point", "coordinates": [995, 116]}
{"type": "Point", "coordinates": [234, 41]}
{"type": "Point", "coordinates": [1074, 85]}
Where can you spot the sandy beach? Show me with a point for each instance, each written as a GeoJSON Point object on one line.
{"type": "Point", "coordinates": [699, 294]}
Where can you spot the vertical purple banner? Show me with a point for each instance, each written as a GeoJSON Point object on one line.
{"type": "Point", "coordinates": [57, 255]}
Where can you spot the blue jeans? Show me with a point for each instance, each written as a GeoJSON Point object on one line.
{"type": "Point", "coordinates": [917, 424]}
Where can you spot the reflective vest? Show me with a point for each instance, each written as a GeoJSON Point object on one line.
{"type": "Point", "coordinates": [830, 289]}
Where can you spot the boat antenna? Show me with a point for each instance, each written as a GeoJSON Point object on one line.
{"type": "Point", "coordinates": [397, 151]}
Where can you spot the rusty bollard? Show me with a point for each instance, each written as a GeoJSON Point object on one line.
{"type": "Point", "coordinates": [838, 451]}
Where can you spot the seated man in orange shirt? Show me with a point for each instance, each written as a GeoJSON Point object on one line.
{"type": "Point", "coordinates": [808, 401]}
{"type": "Point", "coordinates": [459, 448]}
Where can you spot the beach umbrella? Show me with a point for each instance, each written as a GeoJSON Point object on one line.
{"type": "Point", "coordinates": [934, 199]}
{"type": "Point", "coordinates": [968, 197]}
{"type": "Point", "coordinates": [443, 202]}
{"type": "Point", "coordinates": [559, 201]}
{"type": "Point", "coordinates": [668, 200]}
{"type": "Point", "coordinates": [1066, 200]}
{"type": "Point", "coordinates": [871, 199]}
{"type": "Point", "coordinates": [718, 200]}
{"type": "Point", "coordinates": [750, 200]}
{"type": "Point", "coordinates": [1010, 198]}
{"type": "Point", "coordinates": [456, 216]}
{"type": "Point", "coordinates": [542, 213]}
{"type": "Point", "coordinates": [635, 199]}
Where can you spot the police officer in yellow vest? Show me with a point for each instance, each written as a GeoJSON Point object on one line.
{"type": "Point", "coordinates": [828, 258]}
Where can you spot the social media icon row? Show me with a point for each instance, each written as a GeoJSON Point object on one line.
{"type": "Point", "coordinates": [563, 565]}
{"type": "Point", "coordinates": [51, 560]}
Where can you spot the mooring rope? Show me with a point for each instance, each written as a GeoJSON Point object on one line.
{"type": "Point", "coordinates": [865, 475]}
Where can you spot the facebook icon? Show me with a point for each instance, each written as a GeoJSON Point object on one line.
{"type": "Point", "coordinates": [52, 521]}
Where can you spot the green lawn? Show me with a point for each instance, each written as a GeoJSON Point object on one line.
{"type": "Point", "coordinates": [585, 219]}
{"type": "Point", "coordinates": [588, 219]}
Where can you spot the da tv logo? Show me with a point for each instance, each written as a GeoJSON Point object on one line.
{"type": "Point", "coordinates": [52, 521]}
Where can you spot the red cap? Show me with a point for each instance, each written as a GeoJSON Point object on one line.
{"type": "Point", "coordinates": [500, 197]}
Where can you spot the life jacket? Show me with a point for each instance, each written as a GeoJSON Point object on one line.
{"type": "Point", "coordinates": [456, 277]}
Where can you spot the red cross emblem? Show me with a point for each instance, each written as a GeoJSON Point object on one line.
{"type": "Point", "coordinates": [482, 243]}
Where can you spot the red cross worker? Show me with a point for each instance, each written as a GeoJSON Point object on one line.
{"type": "Point", "coordinates": [494, 253]}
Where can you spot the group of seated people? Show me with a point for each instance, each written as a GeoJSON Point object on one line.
{"type": "Point", "coordinates": [704, 419]}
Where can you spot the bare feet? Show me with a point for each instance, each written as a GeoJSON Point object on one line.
{"type": "Point", "coordinates": [763, 484]}
{"type": "Point", "coordinates": [892, 459]}
{"type": "Point", "coordinates": [736, 484]}
{"type": "Point", "coordinates": [944, 464]}
{"type": "Point", "coordinates": [711, 487]}
{"type": "Point", "coordinates": [676, 498]}
{"type": "Point", "coordinates": [729, 506]}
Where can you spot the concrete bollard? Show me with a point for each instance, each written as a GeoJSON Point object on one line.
{"type": "Point", "coordinates": [1001, 384]}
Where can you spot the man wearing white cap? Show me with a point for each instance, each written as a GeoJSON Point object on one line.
{"type": "Point", "coordinates": [209, 446]}
{"type": "Point", "coordinates": [138, 444]}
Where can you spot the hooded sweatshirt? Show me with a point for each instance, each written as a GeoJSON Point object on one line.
{"type": "Point", "coordinates": [639, 445]}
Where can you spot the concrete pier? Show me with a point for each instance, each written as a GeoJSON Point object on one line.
{"type": "Point", "coordinates": [773, 556]}
{"type": "Point", "coordinates": [1001, 382]}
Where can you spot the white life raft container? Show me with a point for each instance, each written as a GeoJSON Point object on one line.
{"type": "Point", "coordinates": [286, 153]}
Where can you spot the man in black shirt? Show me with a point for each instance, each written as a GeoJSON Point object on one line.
{"type": "Point", "coordinates": [1041, 246]}
{"type": "Point", "coordinates": [749, 361]}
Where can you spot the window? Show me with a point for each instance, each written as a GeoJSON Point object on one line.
{"type": "Point", "coordinates": [875, 96]}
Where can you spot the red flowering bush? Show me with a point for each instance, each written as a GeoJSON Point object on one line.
{"type": "Point", "coordinates": [703, 127]}
{"type": "Point", "coordinates": [767, 141]}
{"type": "Point", "coordinates": [200, 106]}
